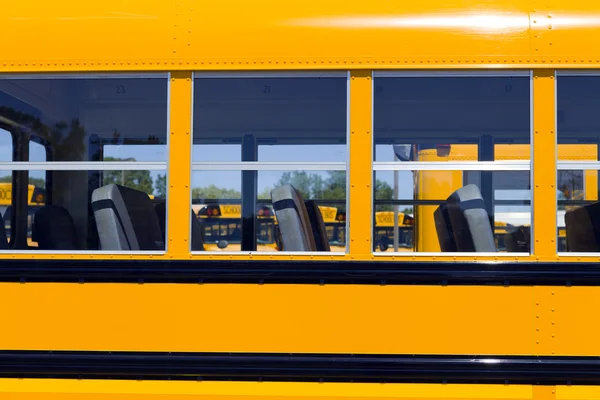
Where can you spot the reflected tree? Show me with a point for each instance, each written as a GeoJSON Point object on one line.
{"type": "Point", "coordinates": [214, 192]}
{"type": "Point", "coordinates": [139, 180]}
{"type": "Point", "coordinates": [38, 182]}
{"type": "Point", "coordinates": [160, 185]}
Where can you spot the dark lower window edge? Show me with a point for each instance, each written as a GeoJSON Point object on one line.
{"type": "Point", "coordinates": [531, 370]}
{"type": "Point", "coordinates": [302, 272]}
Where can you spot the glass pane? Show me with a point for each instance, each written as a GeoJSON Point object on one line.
{"type": "Point", "coordinates": [69, 221]}
{"type": "Point", "coordinates": [406, 204]}
{"type": "Point", "coordinates": [273, 119]}
{"type": "Point", "coordinates": [452, 118]}
{"type": "Point", "coordinates": [217, 205]}
{"type": "Point", "coordinates": [6, 145]}
{"type": "Point", "coordinates": [89, 119]}
{"type": "Point", "coordinates": [578, 136]}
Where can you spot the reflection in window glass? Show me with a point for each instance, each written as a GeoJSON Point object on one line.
{"type": "Point", "coordinates": [66, 224]}
{"type": "Point", "coordinates": [291, 119]}
{"type": "Point", "coordinates": [451, 119]}
{"type": "Point", "coordinates": [6, 146]}
{"type": "Point", "coordinates": [578, 137]}
{"type": "Point", "coordinates": [508, 223]}
{"type": "Point", "coordinates": [120, 119]}
{"type": "Point", "coordinates": [288, 120]}
{"type": "Point", "coordinates": [78, 118]}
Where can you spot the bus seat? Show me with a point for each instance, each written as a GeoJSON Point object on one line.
{"type": "Point", "coordinates": [3, 237]}
{"type": "Point", "coordinates": [583, 228]}
{"type": "Point", "coordinates": [518, 241]}
{"type": "Point", "coordinates": [197, 236]}
{"type": "Point", "coordinates": [317, 225]}
{"type": "Point", "coordinates": [293, 220]}
{"type": "Point", "coordinates": [54, 229]}
{"type": "Point", "coordinates": [161, 213]}
{"type": "Point", "coordinates": [125, 219]}
{"type": "Point", "coordinates": [470, 222]}
{"type": "Point", "coordinates": [444, 229]}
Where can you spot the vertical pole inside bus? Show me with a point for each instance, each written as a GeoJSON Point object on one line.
{"type": "Point", "coordinates": [249, 194]}
{"type": "Point", "coordinates": [20, 200]}
{"type": "Point", "coordinates": [486, 153]}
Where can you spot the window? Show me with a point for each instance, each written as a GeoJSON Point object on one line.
{"type": "Point", "coordinates": [98, 145]}
{"type": "Point", "coordinates": [255, 134]}
{"type": "Point", "coordinates": [578, 138]}
{"type": "Point", "coordinates": [6, 153]}
{"type": "Point", "coordinates": [445, 139]}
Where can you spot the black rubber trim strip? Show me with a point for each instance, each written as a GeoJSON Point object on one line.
{"type": "Point", "coordinates": [301, 272]}
{"type": "Point", "coordinates": [302, 367]}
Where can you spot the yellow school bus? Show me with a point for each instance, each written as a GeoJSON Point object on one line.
{"type": "Point", "coordinates": [335, 226]}
{"type": "Point", "coordinates": [36, 199]}
{"type": "Point", "coordinates": [222, 230]}
{"type": "Point", "coordinates": [234, 99]}
{"type": "Point", "coordinates": [384, 231]}
{"type": "Point", "coordinates": [429, 187]}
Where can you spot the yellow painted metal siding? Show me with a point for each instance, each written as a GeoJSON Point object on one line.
{"type": "Point", "coordinates": [91, 389]}
{"type": "Point", "coordinates": [269, 318]}
{"type": "Point", "coordinates": [361, 156]}
{"type": "Point", "coordinates": [544, 164]}
{"type": "Point", "coordinates": [178, 190]}
{"type": "Point", "coordinates": [190, 34]}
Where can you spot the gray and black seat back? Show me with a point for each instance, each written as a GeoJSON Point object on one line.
{"type": "Point", "coordinates": [125, 219]}
{"type": "Point", "coordinates": [583, 228]}
{"type": "Point", "coordinates": [519, 240]}
{"type": "Point", "coordinates": [317, 225]}
{"type": "Point", "coordinates": [197, 234]}
{"type": "Point", "coordinates": [292, 218]}
{"type": "Point", "coordinates": [161, 214]}
{"type": "Point", "coordinates": [443, 228]}
{"type": "Point", "coordinates": [54, 229]}
{"type": "Point", "coordinates": [470, 221]}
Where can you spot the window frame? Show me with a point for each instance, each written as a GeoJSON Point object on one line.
{"type": "Point", "coordinates": [462, 166]}
{"type": "Point", "coordinates": [237, 166]}
{"type": "Point", "coordinates": [50, 166]}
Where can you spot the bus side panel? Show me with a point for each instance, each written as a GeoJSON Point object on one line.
{"type": "Point", "coordinates": [268, 318]}
{"type": "Point", "coordinates": [92, 389]}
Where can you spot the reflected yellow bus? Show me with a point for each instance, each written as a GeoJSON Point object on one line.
{"type": "Point", "coordinates": [438, 185]}
{"type": "Point", "coordinates": [222, 227]}
{"type": "Point", "coordinates": [36, 198]}
{"type": "Point", "coordinates": [384, 231]}
{"type": "Point", "coordinates": [335, 226]}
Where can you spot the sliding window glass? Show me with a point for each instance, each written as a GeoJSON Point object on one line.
{"type": "Point", "coordinates": [269, 162]}
{"type": "Point", "coordinates": [91, 162]}
{"type": "Point", "coordinates": [452, 163]}
{"type": "Point", "coordinates": [578, 137]}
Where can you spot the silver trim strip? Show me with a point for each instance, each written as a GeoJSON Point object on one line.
{"type": "Point", "coordinates": [269, 253]}
{"type": "Point", "coordinates": [84, 75]}
{"type": "Point", "coordinates": [516, 165]}
{"type": "Point", "coordinates": [82, 166]}
{"type": "Point", "coordinates": [577, 165]}
{"type": "Point", "coordinates": [268, 166]}
{"type": "Point", "coordinates": [583, 72]}
{"type": "Point", "coordinates": [441, 254]}
{"type": "Point", "coordinates": [263, 74]}
{"type": "Point", "coordinates": [585, 255]}
{"type": "Point", "coordinates": [84, 252]}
